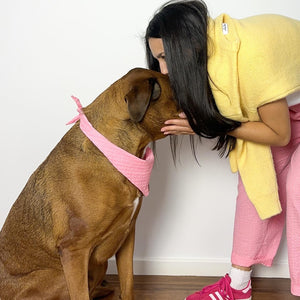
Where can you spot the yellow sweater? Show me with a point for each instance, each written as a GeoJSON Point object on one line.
{"type": "Point", "coordinates": [251, 62]}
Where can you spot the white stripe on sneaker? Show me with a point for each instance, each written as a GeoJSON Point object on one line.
{"type": "Point", "coordinates": [219, 296]}
{"type": "Point", "coordinates": [212, 297]}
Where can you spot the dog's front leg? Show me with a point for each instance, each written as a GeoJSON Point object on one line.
{"type": "Point", "coordinates": [75, 266]}
{"type": "Point", "coordinates": [124, 259]}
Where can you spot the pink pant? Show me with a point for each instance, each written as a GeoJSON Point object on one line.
{"type": "Point", "coordinates": [256, 241]}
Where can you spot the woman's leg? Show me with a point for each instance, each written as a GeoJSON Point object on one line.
{"type": "Point", "coordinates": [293, 221]}
{"type": "Point", "coordinates": [255, 241]}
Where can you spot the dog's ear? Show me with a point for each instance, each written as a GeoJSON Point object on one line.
{"type": "Point", "coordinates": [139, 97]}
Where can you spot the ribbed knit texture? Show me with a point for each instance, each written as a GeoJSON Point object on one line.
{"type": "Point", "coordinates": [251, 62]}
{"type": "Point", "coordinates": [239, 278]}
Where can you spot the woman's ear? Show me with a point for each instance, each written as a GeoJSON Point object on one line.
{"type": "Point", "coordinates": [139, 97]}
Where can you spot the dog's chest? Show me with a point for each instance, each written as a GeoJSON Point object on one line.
{"type": "Point", "coordinates": [135, 205]}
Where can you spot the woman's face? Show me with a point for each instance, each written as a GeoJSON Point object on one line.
{"type": "Point", "coordinates": [158, 52]}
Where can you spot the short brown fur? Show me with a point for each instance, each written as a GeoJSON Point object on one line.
{"type": "Point", "coordinates": [75, 210]}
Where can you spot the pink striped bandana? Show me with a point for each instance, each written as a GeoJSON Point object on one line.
{"type": "Point", "coordinates": [135, 169]}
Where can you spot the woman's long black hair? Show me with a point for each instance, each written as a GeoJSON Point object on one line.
{"type": "Point", "coordinates": [182, 25]}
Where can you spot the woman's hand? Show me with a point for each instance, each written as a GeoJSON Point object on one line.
{"type": "Point", "coordinates": [178, 126]}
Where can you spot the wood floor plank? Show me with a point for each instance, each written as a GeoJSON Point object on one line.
{"type": "Point", "coordinates": [178, 287]}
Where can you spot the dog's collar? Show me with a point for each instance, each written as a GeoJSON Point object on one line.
{"type": "Point", "coordinates": [135, 169]}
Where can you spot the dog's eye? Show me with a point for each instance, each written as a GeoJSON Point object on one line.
{"type": "Point", "coordinates": [125, 99]}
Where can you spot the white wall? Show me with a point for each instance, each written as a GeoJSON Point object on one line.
{"type": "Point", "coordinates": [50, 50]}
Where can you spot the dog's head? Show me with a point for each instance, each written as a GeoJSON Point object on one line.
{"type": "Point", "coordinates": [149, 99]}
{"type": "Point", "coordinates": [138, 104]}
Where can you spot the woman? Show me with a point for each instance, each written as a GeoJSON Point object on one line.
{"type": "Point", "coordinates": [239, 81]}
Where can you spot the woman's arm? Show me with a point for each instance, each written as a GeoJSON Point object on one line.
{"type": "Point", "coordinates": [273, 129]}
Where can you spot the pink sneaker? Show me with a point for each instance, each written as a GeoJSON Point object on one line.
{"type": "Point", "coordinates": [222, 291]}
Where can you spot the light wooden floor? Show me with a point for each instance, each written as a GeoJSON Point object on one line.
{"type": "Point", "coordinates": [177, 288]}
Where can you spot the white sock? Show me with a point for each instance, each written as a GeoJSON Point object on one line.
{"type": "Point", "coordinates": [239, 278]}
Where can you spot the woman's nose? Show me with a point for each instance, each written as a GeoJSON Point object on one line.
{"type": "Point", "coordinates": [163, 68]}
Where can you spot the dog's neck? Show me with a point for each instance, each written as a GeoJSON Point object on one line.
{"type": "Point", "coordinates": [136, 170]}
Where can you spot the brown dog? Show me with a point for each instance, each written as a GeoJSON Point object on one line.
{"type": "Point", "coordinates": [77, 210]}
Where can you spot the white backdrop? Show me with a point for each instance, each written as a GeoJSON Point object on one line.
{"type": "Point", "coordinates": [50, 50]}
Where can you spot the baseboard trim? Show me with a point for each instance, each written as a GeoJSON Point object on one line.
{"type": "Point", "coordinates": [196, 267]}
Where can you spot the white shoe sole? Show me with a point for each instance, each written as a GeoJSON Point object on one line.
{"type": "Point", "coordinates": [243, 299]}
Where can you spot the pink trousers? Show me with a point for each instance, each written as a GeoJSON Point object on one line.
{"type": "Point", "coordinates": [256, 241]}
